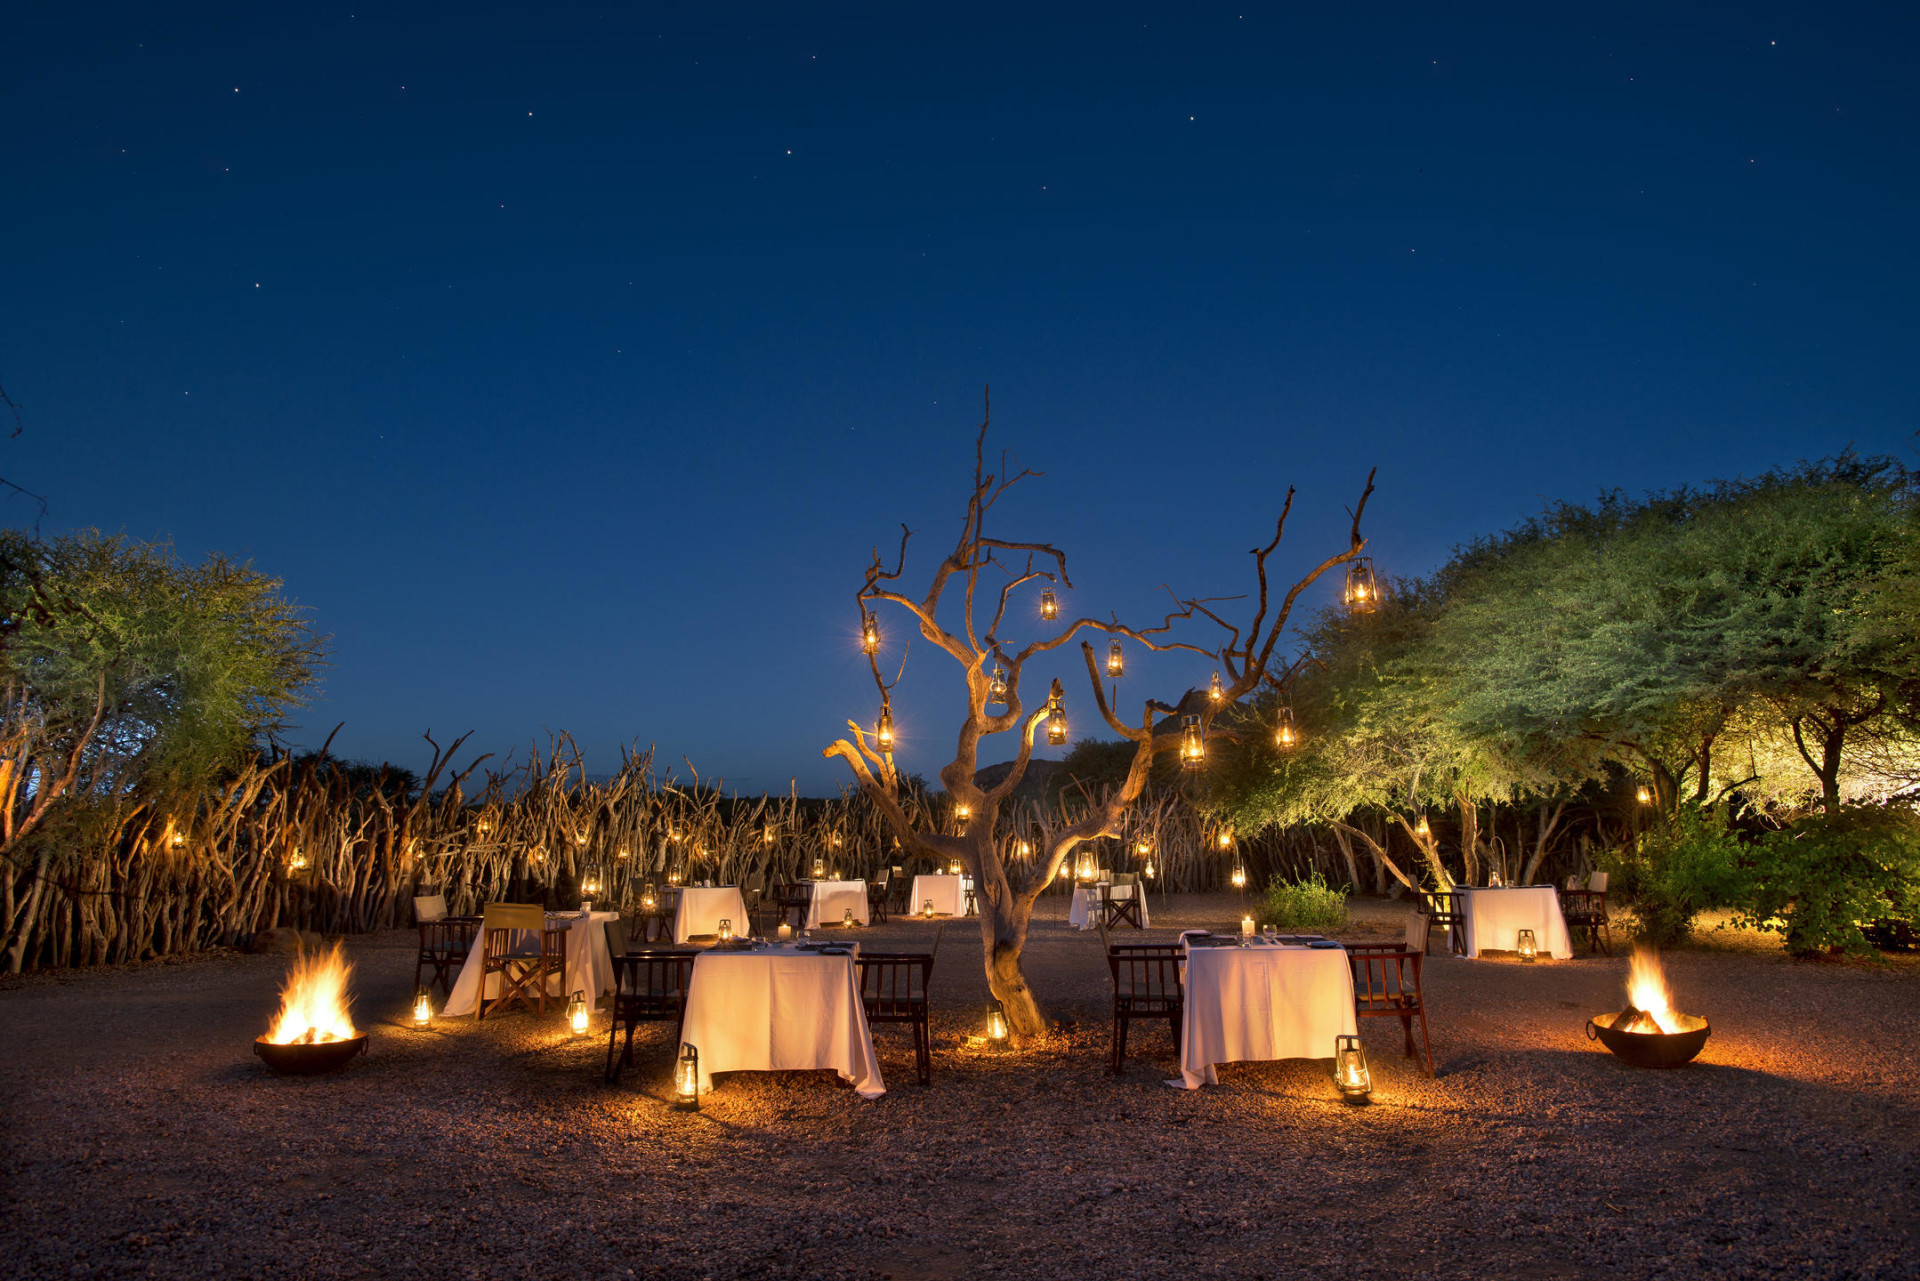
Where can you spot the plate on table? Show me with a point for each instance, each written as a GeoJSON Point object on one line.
{"type": "Point", "coordinates": [1211, 940]}
{"type": "Point", "coordinates": [1323, 944]}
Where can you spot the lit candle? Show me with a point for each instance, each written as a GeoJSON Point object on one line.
{"type": "Point", "coordinates": [1246, 927]}
{"type": "Point", "coordinates": [785, 934]}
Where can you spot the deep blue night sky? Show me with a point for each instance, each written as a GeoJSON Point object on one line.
{"type": "Point", "coordinates": [567, 363]}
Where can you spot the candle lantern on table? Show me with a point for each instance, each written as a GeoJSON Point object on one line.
{"type": "Point", "coordinates": [819, 868]}
{"type": "Point", "coordinates": [578, 1013]}
{"type": "Point", "coordinates": [1528, 949]}
{"type": "Point", "coordinates": [1246, 927]}
{"type": "Point", "coordinates": [674, 877]}
{"type": "Point", "coordinates": [422, 1007]}
{"type": "Point", "coordinates": [725, 931]}
{"type": "Point", "coordinates": [785, 932]}
{"type": "Point", "coordinates": [1350, 1072]}
{"type": "Point", "coordinates": [686, 1079]}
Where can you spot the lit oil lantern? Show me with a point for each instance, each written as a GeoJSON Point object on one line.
{"type": "Point", "coordinates": [1193, 745]}
{"type": "Point", "coordinates": [686, 1079]}
{"type": "Point", "coordinates": [649, 901]}
{"type": "Point", "coordinates": [1056, 721]}
{"type": "Point", "coordinates": [1422, 829]}
{"type": "Point", "coordinates": [1116, 661]}
{"type": "Point", "coordinates": [953, 867]}
{"type": "Point", "coordinates": [997, 685]}
{"type": "Point", "coordinates": [1528, 949]}
{"type": "Point", "coordinates": [1286, 736]}
{"type": "Point", "coordinates": [819, 869]}
{"type": "Point", "coordinates": [1643, 794]}
{"type": "Point", "coordinates": [1350, 1069]}
{"type": "Point", "coordinates": [997, 1027]}
{"type": "Point", "coordinates": [422, 1007]}
{"type": "Point", "coordinates": [725, 930]}
{"type": "Point", "coordinates": [1362, 594]}
{"type": "Point", "coordinates": [1239, 877]}
{"type": "Point", "coordinates": [869, 634]}
{"type": "Point", "coordinates": [675, 877]}
{"type": "Point", "coordinates": [1226, 838]}
{"type": "Point", "coordinates": [1049, 607]}
{"type": "Point", "coordinates": [883, 733]}
{"type": "Point", "coordinates": [846, 919]}
{"type": "Point", "coordinates": [578, 1013]}
{"type": "Point", "coordinates": [1215, 690]}
{"type": "Point", "coordinates": [926, 909]}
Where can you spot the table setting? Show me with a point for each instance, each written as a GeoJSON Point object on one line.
{"type": "Point", "coordinates": [1495, 915]}
{"type": "Point", "coordinates": [948, 894]}
{"type": "Point", "coordinates": [830, 902]}
{"type": "Point", "coordinates": [1084, 911]}
{"type": "Point", "coordinates": [589, 964]}
{"type": "Point", "coordinates": [1258, 997]}
{"type": "Point", "coordinates": [703, 907]}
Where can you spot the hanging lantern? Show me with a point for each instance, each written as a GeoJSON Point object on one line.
{"type": "Point", "coordinates": [1239, 877]}
{"type": "Point", "coordinates": [179, 839]}
{"type": "Point", "coordinates": [1643, 794]}
{"type": "Point", "coordinates": [483, 827]}
{"type": "Point", "coordinates": [884, 732]}
{"type": "Point", "coordinates": [997, 685]}
{"type": "Point", "coordinates": [1147, 871]}
{"type": "Point", "coordinates": [1287, 735]}
{"type": "Point", "coordinates": [649, 901]}
{"type": "Point", "coordinates": [1226, 838]}
{"type": "Point", "coordinates": [590, 884]}
{"type": "Point", "coordinates": [620, 854]}
{"type": "Point", "coordinates": [1193, 745]}
{"type": "Point", "coordinates": [1362, 594]}
{"type": "Point", "coordinates": [298, 863]}
{"type": "Point", "coordinates": [846, 918]}
{"type": "Point", "coordinates": [1215, 689]}
{"type": "Point", "coordinates": [1350, 1069]}
{"type": "Point", "coordinates": [1528, 949]}
{"type": "Point", "coordinates": [1026, 850]}
{"type": "Point", "coordinates": [580, 837]}
{"type": "Point", "coordinates": [1088, 869]}
{"type": "Point", "coordinates": [578, 1013]}
{"type": "Point", "coordinates": [997, 1027]}
{"type": "Point", "coordinates": [819, 869]}
{"type": "Point", "coordinates": [686, 1079]}
{"type": "Point", "coordinates": [869, 633]}
{"type": "Point", "coordinates": [1056, 721]}
{"type": "Point", "coordinates": [1116, 662]}
{"type": "Point", "coordinates": [836, 840]}
{"type": "Point", "coordinates": [422, 1007]}
{"type": "Point", "coordinates": [926, 909]}
{"type": "Point", "coordinates": [1049, 607]}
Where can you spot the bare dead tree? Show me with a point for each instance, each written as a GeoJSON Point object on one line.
{"type": "Point", "coordinates": [1006, 890]}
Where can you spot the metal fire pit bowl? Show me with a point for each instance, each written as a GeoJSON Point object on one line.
{"type": "Point", "coordinates": [300, 1058]}
{"type": "Point", "coordinates": [1650, 1049]}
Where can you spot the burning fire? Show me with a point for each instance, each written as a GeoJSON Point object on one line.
{"type": "Point", "coordinates": [1647, 999]}
{"type": "Point", "coordinates": [313, 1004]}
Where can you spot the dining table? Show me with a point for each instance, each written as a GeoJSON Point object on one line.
{"type": "Point", "coordinates": [589, 966]}
{"type": "Point", "coordinates": [703, 907]}
{"type": "Point", "coordinates": [1495, 915]}
{"type": "Point", "coordinates": [1084, 912]}
{"type": "Point", "coordinates": [781, 1007]}
{"type": "Point", "coordinates": [830, 901]}
{"type": "Point", "coordinates": [949, 895]}
{"type": "Point", "coordinates": [1255, 1000]}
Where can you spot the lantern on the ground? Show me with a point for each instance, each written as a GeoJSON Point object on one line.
{"type": "Point", "coordinates": [686, 1079]}
{"type": "Point", "coordinates": [725, 930]}
{"type": "Point", "coordinates": [1049, 607]}
{"type": "Point", "coordinates": [1116, 661]}
{"type": "Point", "coordinates": [1239, 877]}
{"type": "Point", "coordinates": [1362, 594]}
{"type": "Point", "coordinates": [884, 731]}
{"type": "Point", "coordinates": [578, 1013]}
{"type": "Point", "coordinates": [1350, 1069]}
{"type": "Point", "coordinates": [1215, 690]}
{"type": "Point", "coordinates": [1193, 745]}
{"type": "Point", "coordinates": [649, 901]}
{"type": "Point", "coordinates": [422, 1007]}
{"type": "Point", "coordinates": [819, 869]}
{"type": "Point", "coordinates": [869, 633]}
{"type": "Point", "coordinates": [997, 1027]}
{"type": "Point", "coordinates": [846, 918]}
{"type": "Point", "coordinates": [1286, 735]}
{"type": "Point", "coordinates": [1528, 949]}
{"type": "Point", "coordinates": [1643, 794]}
{"type": "Point", "coordinates": [1056, 721]}
{"type": "Point", "coordinates": [997, 685]}
{"type": "Point", "coordinates": [926, 909]}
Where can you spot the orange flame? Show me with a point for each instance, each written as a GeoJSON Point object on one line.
{"type": "Point", "coordinates": [1647, 989]}
{"type": "Point", "coordinates": [313, 1004]}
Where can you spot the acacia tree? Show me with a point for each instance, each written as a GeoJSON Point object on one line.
{"type": "Point", "coordinates": [1006, 903]}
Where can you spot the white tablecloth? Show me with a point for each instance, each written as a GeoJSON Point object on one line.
{"type": "Point", "coordinates": [1262, 1002]}
{"type": "Point", "coordinates": [830, 902]}
{"type": "Point", "coordinates": [589, 967]}
{"type": "Point", "coordinates": [948, 895]}
{"type": "Point", "coordinates": [1496, 917]}
{"type": "Point", "coordinates": [778, 1010]}
{"type": "Point", "coordinates": [701, 911]}
{"type": "Point", "coordinates": [1084, 912]}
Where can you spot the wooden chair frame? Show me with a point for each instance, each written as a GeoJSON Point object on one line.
{"type": "Point", "coordinates": [891, 993]}
{"type": "Point", "coordinates": [1586, 911]}
{"type": "Point", "coordinates": [796, 899]}
{"type": "Point", "coordinates": [445, 944]}
{"type": "Point", "coordinates": [1447, 910]}
{"type": "Point", "coordinates": [877, 894]}
{"type": "Point", "coordinates": [1386, 984]}
{"type": "Point", "coordinates": [1147, 984]}
{"type": "Point", "coordinates": [523, 973]}
{"type": "Point", "coordinates": [1119, 911]}
{"type": "Point", "coordinates": [649, 986]}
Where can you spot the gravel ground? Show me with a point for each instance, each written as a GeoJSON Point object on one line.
{"type": "Point", "coordinates": [145, 1140]}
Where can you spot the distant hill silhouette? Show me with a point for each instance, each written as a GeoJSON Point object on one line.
{"type": "Point", "coordinates": [1033, 784]}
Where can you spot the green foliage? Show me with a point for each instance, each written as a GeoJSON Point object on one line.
{"type": "Point", "coordinates": [1818, 880]}
{"type": "Point", "coordinates": [1305, 905]}
{"type": "Point", "coordinates": [185, 665]}
{"type": "Point", "coordinates": [1678, 869]}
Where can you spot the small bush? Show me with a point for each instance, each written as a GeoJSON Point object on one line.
{"type": "Point", "coordinates": [1678, 870]}
{"type": "Point", "coordinates": [1820, 879]}
{"type": "Point", "coordinates": [1309, 905]}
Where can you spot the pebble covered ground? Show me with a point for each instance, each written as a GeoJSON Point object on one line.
{"type": "Point", "coordinates": [145, 1140]}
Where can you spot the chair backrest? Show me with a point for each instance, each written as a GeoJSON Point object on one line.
{"type": "Point", "coordinates": [652, 972]}
{"type": "Point", "coordinates": [1597, 882]}
{"type": "Point", "coordinates": [452, 936]}
{"type": "Point", "coordinates": [429, 907]}
{"type": "Point", "coordinates": [1384, 979]}
{"type": "Point", "coordinates": [894, 981]}
{"type": "Point", "coordinates": [515, 916]}
{"type": "Point", "coordinates": [899, 870]}
{"type": "Point", "coordinates": [1145, 969]}
{"type": "Point", "coordinates": [1418, 925]}
{"type": "Point", "coordinates": [617, 937]}
{"type": "Point", "coordinates": [1123, 878]}
{"type": "Point", "coordinates": [753, 884]}
{"type": "Point", "coordinates": [880, 877]}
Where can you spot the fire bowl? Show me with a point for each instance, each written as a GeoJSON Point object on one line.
{"type": "Point", "coordinates": [301, 1058]}
{"type": "Point", "coordinates": [1650, 1049]}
